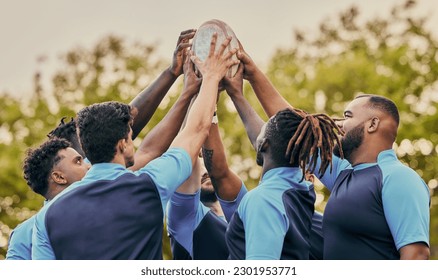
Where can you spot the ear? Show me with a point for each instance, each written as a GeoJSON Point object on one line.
{"type": "Point", "coordinates": [58, 178]}
{"type": "Point", "coordinates": [373, 124]}
{"type": "Point", "coordinates": [121, 145]}
{"type": "Point", "coordinates": [263, 145]}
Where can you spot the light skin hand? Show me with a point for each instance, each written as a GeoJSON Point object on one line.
{"type": "Point", "coordinates": [217, 63]}
{"type": "Point", "coordinates": [180, 53]}
{"type": "Point", "coordinates": [193, 135]}
{"type": "Point", "coordinates": [192, 83]}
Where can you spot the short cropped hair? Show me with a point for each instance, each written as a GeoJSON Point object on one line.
{"type": "Point", "coordinates": [101, 126]}
{"type": "Point", "coordinates": [383, 104]}
{"type": "Point", "coordinates": [39, 163]}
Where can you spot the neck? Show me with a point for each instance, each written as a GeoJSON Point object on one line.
{"type": "Point", "coordinates": [269, 164]}
{"type": "Point", "coordinates": [368, 153]}
{"type": "Point", "coordinates": [54, 190]}
{"type": "Point", "coordinates": [215, 207]}
{"type": "Point", "coordinates": [119, 158]}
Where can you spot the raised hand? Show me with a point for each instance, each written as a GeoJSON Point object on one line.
{"type": "Point", "coordinates": [249, 67]}
{"type": "Point", "coordinates": [217, 63]}
{"type": "Point", "coordinates": [234, 85]}
{"type": "Point", "coordinates": [192, 82]}
{"type": "Point", "coordinates": [180, 53]}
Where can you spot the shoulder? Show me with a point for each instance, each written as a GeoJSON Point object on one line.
{"type": "Point", "coordinates": [260, 200]}
{"type": "Point", "coordinates": [28, 224]}
{"type": "Point", "coordinates": [400, 179]}
{"type": "Point", "coordinates": [398, 173]}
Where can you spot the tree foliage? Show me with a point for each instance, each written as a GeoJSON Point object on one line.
{"type": "Point", "coordinates": [394, 56]}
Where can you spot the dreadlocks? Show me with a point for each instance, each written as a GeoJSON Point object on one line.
{"type": "Point", "coordinates": [304, 137]}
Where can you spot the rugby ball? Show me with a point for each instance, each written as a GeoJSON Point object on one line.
{"type": "Point", "coordinates": [201, 41]}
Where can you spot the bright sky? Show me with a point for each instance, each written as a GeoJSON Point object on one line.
{"type": "Point", "coordinates": [29, 29]}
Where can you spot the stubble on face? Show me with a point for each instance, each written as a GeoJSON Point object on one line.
{"type": "Point", "coordinates": [351, 142]}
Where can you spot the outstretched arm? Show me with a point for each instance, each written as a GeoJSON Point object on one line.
{"type": "Point", "coordinates": [267, 94]}
{"type": "Point", "coordinates": [252, 121]}
{"type": "Point", "coordinates": [213, 69]}
{"type": "Point", "coordinates": [158, 140]}
{"type": "Point", "coordinates": [225, 182]}
{"type": "Point", "coordinates": [147, 101]}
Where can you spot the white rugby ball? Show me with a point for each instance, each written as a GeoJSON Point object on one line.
{"type": "Point", "coordinates": [201, 41]}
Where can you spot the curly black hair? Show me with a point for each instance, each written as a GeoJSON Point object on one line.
{"type": "Point", "coordinates": [101, 126]}
{"type": "Point", "coordinates": [40, 161]}
{"type": "Point", "coordinates": [67, 130]}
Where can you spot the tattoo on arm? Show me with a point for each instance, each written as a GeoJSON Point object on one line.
{"type": "Point", "coordinates": [208, 156]}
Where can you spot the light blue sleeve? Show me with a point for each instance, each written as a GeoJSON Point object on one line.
{"type": "Point", "coordinates": [20, 241]}
{"type": "Point", "coordinates": [329, 176]}
{"type": "Point", "coordinates": [229, 207]}
{"type": "Point", "coordinates": [265, 224]}
{"type": "Point", "coordinates": [41, 247]}
{"type": "Point", "coordinates": [406, 202]}
{"type": "Point", "coordinates": [184, 213]}
{"type": "Point", "coordinates": [168, 172]}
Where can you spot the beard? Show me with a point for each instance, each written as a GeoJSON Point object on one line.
{"type": "Point", "coordinates": [207, 193]}
{"type": "Point", "coordinates": [350, 142]}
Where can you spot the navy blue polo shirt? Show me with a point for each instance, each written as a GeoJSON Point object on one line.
{"type": "Point", "coordinates": [374, 209]}
{"type": "Point", "coordinates": [273, 221]}
{"type": "Point", "coordinates": [112, 213]}
{"type": "Point", "coordinates": [195, 231]}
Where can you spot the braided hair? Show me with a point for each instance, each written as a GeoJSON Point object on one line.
{"type": "Point", "coordinates": [299, 139]}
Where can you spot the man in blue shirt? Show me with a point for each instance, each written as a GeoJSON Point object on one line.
{"type": "Point", "coordinates": [144, 104]}
{"type": "Point", "coordinates": [274, 220]}
{"type": "Point", "coordinates": [114, 213]}
{"type": "Point", "coordinates": [197, 230]}
{"type": "Point", "coordinates": [48, 170]}
{"type": "Point", "coordinates": [378, 207]}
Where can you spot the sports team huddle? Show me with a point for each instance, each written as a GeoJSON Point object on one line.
{"type": "Point", "coordinates": [104, 199]}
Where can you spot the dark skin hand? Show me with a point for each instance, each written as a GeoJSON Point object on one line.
{"type": "Point", "coordinates": [147, 101]}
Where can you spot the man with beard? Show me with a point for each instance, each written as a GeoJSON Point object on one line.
{"type": "Point", "coordinates": [274, 220]}
{"type": "Point", "coordinates": [378, 207]}
{"type": "Point", "coordinates": [197, 230]}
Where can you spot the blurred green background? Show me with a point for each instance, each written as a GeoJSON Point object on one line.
{"type": "Point", "coordinates": [395, 56]}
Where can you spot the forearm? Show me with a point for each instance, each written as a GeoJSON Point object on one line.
{"type": "Point", "coordinates": [270, 99]}
{"type": "Point", "coordinates": [198, 120]}
{"type": "Point", "coordinates": [147, 101]}
{"type": "Point", "coordinates": [251, 120]}
{"type": "Point", "coordinates": [225, 182]}
{"type": "Point", "coordinates": [214, 153]}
